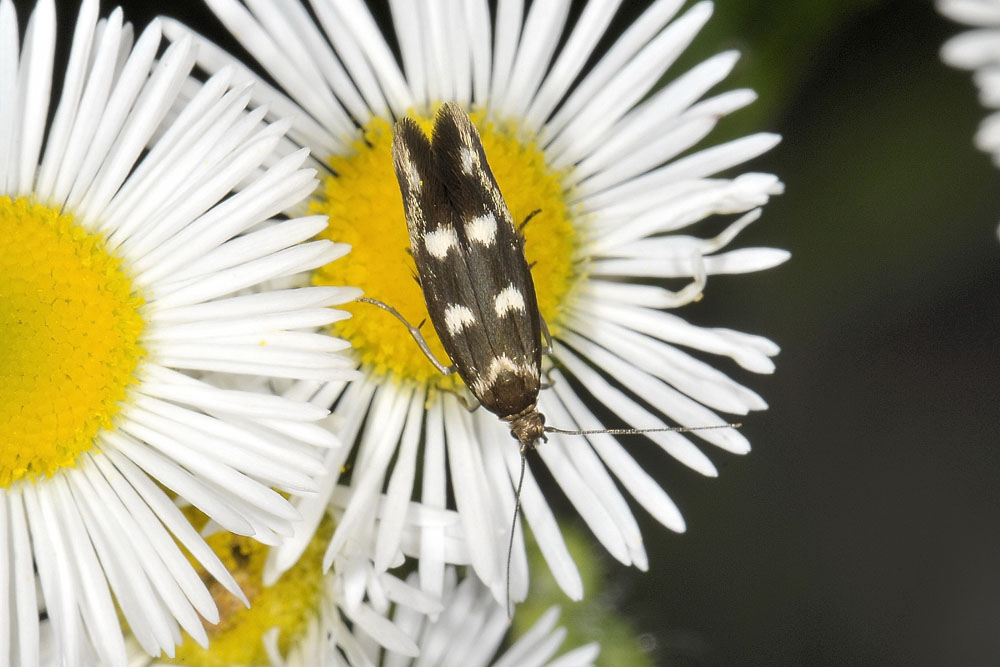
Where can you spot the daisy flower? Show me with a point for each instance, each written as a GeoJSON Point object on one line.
{"type": "Point", "coordinates": [979, 50]}
{"type": "Point", "coordinates": [574, 125]}
{"type": "Point", "coordinates": [305, 617]}
{"type": "Point", "coordinates": [127, 276]}
{"type": "Point", "coordinates": [469, 631]}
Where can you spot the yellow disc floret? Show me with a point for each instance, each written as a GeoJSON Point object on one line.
{"type": "Point", "coordinates": [365, 209]}
{"type": "Point", "coordinates": [288, 605]}
{"type": "Point", "coordinates": [69, 326]}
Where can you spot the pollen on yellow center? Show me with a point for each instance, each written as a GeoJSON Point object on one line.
{"type": "Point", "coordinates": [365, 208]}
{"type": "Point", "coordinates": [288, 605]}
{"type": "Point", "coordinates": [69, 326]}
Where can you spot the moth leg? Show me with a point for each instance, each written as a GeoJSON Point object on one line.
{"type": "Point", "coordinates": [549, 380]}
{"type": "Point", "coordinates": [547, 350]}
{"type": "Point", "coordinates": [415, 332]}
{"type": "Point", "coordinates": [520, 229]}
{"type": "Point", "coordinates": [471, 407]}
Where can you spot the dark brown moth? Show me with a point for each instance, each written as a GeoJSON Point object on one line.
{"type": "Point", "coordinates": [471, 267]}
{"type": "Point", "coordinates": [475, 279]}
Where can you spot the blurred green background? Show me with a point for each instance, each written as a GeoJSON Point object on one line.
{"type": "Point", "coordinates": [864, 528]}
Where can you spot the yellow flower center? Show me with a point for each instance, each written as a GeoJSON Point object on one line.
{"type": "Point", "coordinates": [365, 209]}
{"type": "Point", "coordinates": [287, 605]}
{"type": "Point", "coordinates": [69, 326]}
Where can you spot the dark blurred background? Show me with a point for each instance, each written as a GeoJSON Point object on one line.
{"type": "Point", "coordinates": [864, 528]}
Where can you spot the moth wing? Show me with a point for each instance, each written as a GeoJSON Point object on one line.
{"type": "Point", "coordinates": [496, 276]}
{"type": "Point", "coordinates": [442, 270]}
{"type": "Point", "coordinates": [422, 192]}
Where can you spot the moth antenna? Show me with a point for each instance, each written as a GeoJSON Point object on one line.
{"type": "Point", "coordinates": [513, 526]}
{"type": "Point", "coordinates": [635, 431]}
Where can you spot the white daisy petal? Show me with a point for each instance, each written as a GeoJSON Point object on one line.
{"type": "Point", "coordinates": [9, 113]}
{"type": "Point", "coordinates": [35, 81]}
{"type": "Point", "coordinates": [631, 83]}
{"type": "Point", "coordinates": [670, 328]}
{"type": "Point", "coordinates": [640, 485]}
{"type": "Point", "coordinates": [54, 567]}
{"type": "Point", "coordinates": [72, 88]}
{"type": "Point", "coordinates": [405, 15]}
{"type": "Point", "coordinates": [388, 411]}
{"type": "Point", "coordinates": [469, 631]}
{"type": "Point", "coordinates": [441, 82]}
{"type": "Point", "coordinates": [111, 113]}
{"type": "Point", "coordinates": [635, 36]}
{"type": "Point", "coordinates": [589, 28]}
{"type": "Point", "coordinates": [654, 116]}
{"type": "Point", "coordinates": [131, 590]}
{"type": "Point", "coordinates": [162, 562]}
{"type": "Point", "coordinates": [469, 481]}
{"type": "Point", "coordinates": [973, 12]}
{"type": "Point", "coordinates": [539, 516]}
{"type": "Point", "coordinates": [538, 42]}
{"type": "Point", "coordinates": [6, 576]}
{"type": "Point", "coordinates": [358, 67]}
{"type": "Point", "coordinates": [978, 50]}
{"type": "Point", "coordinates": [359, 22]}
{"type": "Point", "coordinates": [258, 40]}
{"type": "Point", "coordinates": [638, 417]}
{"type": "Point", "coordinates": [506, 34]}
{"type": "Point", "coordinates": [495, 453]}
{"type": "Point", "coordinates": [23, 576]}
{"type": "Point", "coordinates": [431, 558]}
{"type": "Point", "coordinates": [400, 487]}
{"type": "Point", "coordinates": [691, 376]}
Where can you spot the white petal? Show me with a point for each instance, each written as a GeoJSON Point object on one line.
{"type": "Point", "coordinates": [471, 491]}
{"type": "Point", "coordinates": [400, 485]}
{"type": "Point", "coordinates": [589, 28]}
{"type": "Point", "coordinates": [541, 33]}
{"type": "Point", "coordinates": [35, 86]}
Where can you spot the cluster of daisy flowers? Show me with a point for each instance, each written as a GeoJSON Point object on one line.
{"type": "Point", "coordinates": [209, 446]}
{"type": "Point", "coordinates": [979, 50]}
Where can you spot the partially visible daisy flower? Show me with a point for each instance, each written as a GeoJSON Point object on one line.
{"type": "Point", "coordinates": [128, 269]}
{"type": "Point", "coordinates": [979, 50]}
{"type": "Point", "coordinates": [615, 167]}
{"type": "Point", "coordinates": [307, 618]}
{"type": "Point", "coordinates": [469, 631]}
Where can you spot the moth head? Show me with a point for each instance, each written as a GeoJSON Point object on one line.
{"type": "Point", "coordinates": [528, 429]}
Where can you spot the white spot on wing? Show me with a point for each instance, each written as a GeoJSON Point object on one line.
{"type": "Point", "coordinates": [440, 241]}
{"type": "Point", "coordinates": [508, 299]}
{"type": "Point", "coordinates": [469, 161]}
{"type": "Point", "coordinates": [458, 317]}
{"type": "Point", "coordinates": [482, 229]}
{"type": "Point", "coordinates": [413, 175]}
{"type": "Point", "coordinates": [500, 365]}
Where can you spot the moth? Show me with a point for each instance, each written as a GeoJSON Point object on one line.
{"type": "Point", "coordinates": [476, 282]}
{"type": "Point", "coordinates": [470, 265]}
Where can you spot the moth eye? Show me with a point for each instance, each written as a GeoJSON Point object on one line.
{"type": "Point", "coordinates": [512, 434]}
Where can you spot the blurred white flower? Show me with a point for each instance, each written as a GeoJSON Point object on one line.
{"type": "Point", "coordinates": [469, 631]}
{"type": "Point", "coordinates": [355, 616]}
